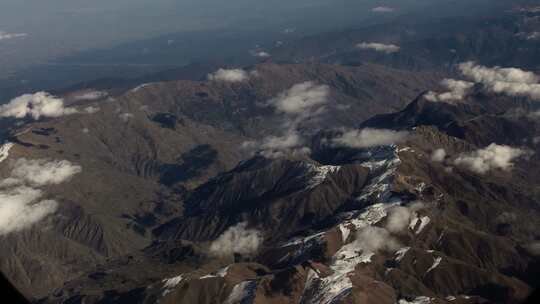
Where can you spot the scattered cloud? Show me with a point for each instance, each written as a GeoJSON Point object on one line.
{"type": "Point", "coordinates": [6, 36]}
{"type": "Point", "coordinates": [302, 98]}
{"type": "Point", "coordinates": [229, 75]}
{"type": "Point", "coordinates": [492, 157]}
{"type": "Point", "coordinates": [21, 205]}
{"type": "Point", "coordinates": [40, 172]}
{"type": "Point", "coordinates": [37, 105]}
{"type": "Point", "coordinates": [379, 47]}
{"type": "Point", "coordinates": [278, 146]}
{"type": "Point", "coordinates": [458, 89]}
{"type": "Point", "coordinates": [300, 102]}
{"type": "Point", "coordinates": [383, 9]}
{"type": "Point", "coordinates": [400, 217]}
{"type": "Point", "coordinates": [237, 239]}
{"type": "Point", "coordinates": [438, 155]}
{"type": "Point", "coordinates": [510, 81]}
{"type": "Point", "coordinates": [260, 54]}
{"type": "Point", "coordinates": [366, 138]}
{"type": "Point", "coordinates": [374, 239]}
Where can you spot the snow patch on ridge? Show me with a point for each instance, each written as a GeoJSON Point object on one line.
{"type": "Point", "coordinates": [321, 173]}
{"type": "Point", "coordinates": [424, 221]}
{"type": "Point", "coordinates": [436, 263]}
{"type": "Point", "coordinates": [418, 300]}
{"type": "Point", "coordinates": [400, 254]}
{"type": "Point", "coordinates": [170, 284]}
{"type": "Point", "coordinates": [242, 293]}
{"type": "Point", "coordinates": [4, 151]}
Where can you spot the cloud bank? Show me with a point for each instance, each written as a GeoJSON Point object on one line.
{"type": "Point", "coordinates": [510, 81]}
{"type": "Point", "coordinates": [492, 157]}
{"type": "Point", "coordinates": [379, 47]}
{"type": "Point", "coordinates": [37, 105]}
{"type": "Point", "coordinates": [367, 138]}
{"type": "Point", "coordinates": [237, 239]}
{"type": "Point", "coordinates": [21, 205]}
{"type": "Point", "coordinates": [229, 75]}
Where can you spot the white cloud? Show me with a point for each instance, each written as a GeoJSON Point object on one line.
{"type": "Point", "coordinates": [373, 239]}
{"type": "Point", "coordinates": [367, 138]}
{"type": "Point", "coordinates": [438, 155]}
{"type": "Point", "coordinates": [399, 217]}
{"type": "Point", "coordinates": [237, 239]}
{"type": "Point", "coordinates": [383, 9]}
{"type": "Point", "coordinates": [260, 54]}
{"type": "Point", "coordinates": [458, 89]}
{"type": "Point", "coordinates": [301, 101]}
{"type": "Point", "coordinates": [279, 146]}
{"type": "Point", "coordinates": [6, 36]}
{"type": "Point", "coordinates": [41, 172]}
{"type": "Point", "coordinates": [302, 98]}
{"type": "Point", "coordinates": [379, 47]}
{"type": "Point", "coordinates": [37, 105]}
{"type": "Point", "coordinates": [21, 205]}
{"type": "Point", "coordinates": [20, 208]}
{"type": "Point", "coordinates": [510, 81]}
{"type": "Point", "coordinates": [492, 157]}
{"type": "Point", "coordinates": [229, 75]}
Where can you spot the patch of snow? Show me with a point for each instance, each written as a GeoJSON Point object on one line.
{"type": "Point", "coordinates": [424, 221]}
{"type": "Point", "coordinates": [418, 300]}
{"type": "Point", "coordinates": [242, 293]}
{"type": "Point", "coordinates": [382, 172]}
{"type": "Point", "coordinates": [421, 187]}
{"type": "Point", "coordinates": [345, 232]}
{"type": "Point", "coordinates": [170, 284]}
{"type": "Point", "coordinates": [451, 298]}
{"type": "Point", "coordinates": [220, 274]}
{"type": "Point", "coordinates": [321, 172]}
{"type": "Point", "coordinates": [436, 263]}
{"type": "Point", "coordinates": [4, 151]}
{"type": "Point", "coordinates": [142, 86]}
{"type": "Point", "coordinates": [400, 254]}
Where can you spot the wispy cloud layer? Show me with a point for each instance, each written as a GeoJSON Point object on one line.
{"type": "Point", "coordinates": [21, 203]}
{"type": "Point", "coordinates": [366, 138]}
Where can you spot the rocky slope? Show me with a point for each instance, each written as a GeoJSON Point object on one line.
{"type": "Point", "coordinates": [384, 224]}
{"type": "Point", "coordinates": [143, 151]}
